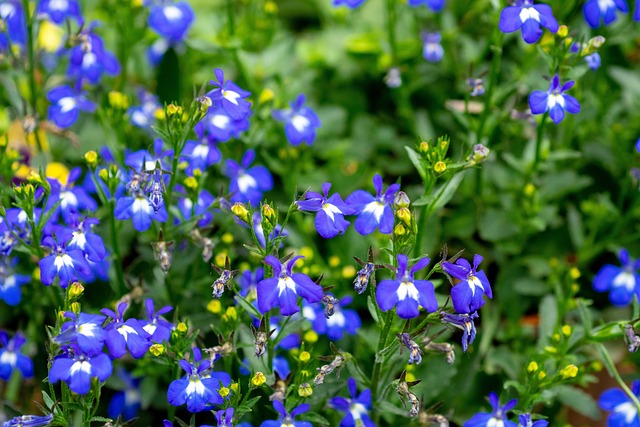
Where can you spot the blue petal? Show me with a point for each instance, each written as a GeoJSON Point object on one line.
{"type": "Point", "coordinates": [571, 104]}
{"type": "Point", "coordinates": [427, 295]}
{"type": "Point", "coordinates": [288, 300]}
{"type": "Point", "coordinates": [546, 17]}
{"type": "Point", "coordinates": [408, 308]}
{"type": "Point", "coordinates": [510, 19]}
{"type": "Point", "coordinates": [267, 294]}
{"type": "Point", "coordinates": [177, 392]}
{"type": "Point", "coordinates": [592, 13]}
{"type": "Point", "coordinates": [307, 288]}
{"type": "Point", "coordinates": [605, 276]}
{"type": "Point", "coordinates": [531, 31]}
{"type": "Point", "coordinates": [386, 294]}
{"type": "Point", "coordinates": [612, 398]}
{"type": "Point", "coordinates": [556, 113]}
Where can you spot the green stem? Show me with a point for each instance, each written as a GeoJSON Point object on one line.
{"type": "Point", "coordinates": [391, 30]}
{"type": "Point", "coordinates": [115, 242]}
{"type": "Point", "coordinates": [382, 343]}
{"type": "Point", "coordinates": [493, 76]}
{"type": "Point", "coordinates": [540, 133]}
{"type": "Point", "coordinates": [31, 71]}
{"type": "Point", "coordinates": [611, 367]}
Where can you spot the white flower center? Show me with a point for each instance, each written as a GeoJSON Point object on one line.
{"type": "Point", "coordinates": [141, 204]}
{"type": "Point", "coordinates": [63, 260]}
{"type": "Point", "coordinates": [301, 123]}
{"type": "Point", "coordinates": [172, 13]}
{"type": "Point", "coordinates": [68, 199]}
{"type": "Point", "coordinates": [9, 282]}
{"type": "Point", "coordinates": [330, 209]}
{"type": "Point", "coordinates": [195, 386]}
{"type": "Point", "coordinates": [246, 182]}
{"type": "Point", "coordinates": [201, 150]}
{"type": "Point", "coordinates": [8, 358]}
{"type": "Point", "coordinates": [83, 366]}
{"type": "Point", "coordinates": [529, 13]}
{"type": "Point", "coordinates": [88, 59]}
{"type": "Point", "coordinates": [357, 410]}
{"type": "Point", "coordinates": [150, 328]}
{"type": "Point", "coordinates": [337, 319]}
{"type": "Point", "coordinates": [407, 289]}
{"type": "Point", "coordinates": [553, 99]}
{"type": "Point", "coordinates": [286, 283]}
{"type": "Point", "coordinates": [88, 329]}
{"type": "Point", "coordinates": [628, 409]}
{"type": "Point", "coordinates": [125, 330]}
{"type": "Point", "coordinates": [231, 96]}
{"type": "Point", "coordinates": [6, 10]}
{"type": "Point", "coordinates": [59, 4]}
{"type": "Point", "coordinates": [625, 279]}
{"type": "Point", "coordinates": [376, 208]}
{"type": "Point", "coordinates": [605, 5]}
{"type": "Point", "coordinates": [220, 121]}
{"type": "Point", "coordinates": [474, 282]}
{"type": "Point", "coordinates": [78, 239]}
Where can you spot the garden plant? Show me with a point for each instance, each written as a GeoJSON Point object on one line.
{"type": "Point", "coordinates": [295, 213]}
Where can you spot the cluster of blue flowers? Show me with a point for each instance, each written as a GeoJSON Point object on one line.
{"type": "Point", "coordinates": [498, 416]}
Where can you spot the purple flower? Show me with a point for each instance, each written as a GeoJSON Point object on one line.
{"type": "Point", "coordinates": [89, 60]}
{"type": "Point", "coordinates": [495, 418]}
{"type": "Point", "coordinates": [593, 61]}
{"type": "Point", "coordinates": [230, 97]}
{"type": "Point", "coordinates": [465, 323]}
{"type": "Point", "coordinates": [330, 211]}
{"type": "Point", "coordinates": [405, 293]}
{"type": "Point", "coordinates": [248, 281]}
{"type": "Point", "coordinates": [624, 412]}
{"type": "Point", "coordinates": [11, 358]}
{"type": "Point", "coordinates": [596, 11]}
{"type": "Point", "coordinates": [84, 331]}
{"type": "Point", "coordinates": [282, 290]}
{"type": "Point", "coordinates": [29, 421]}
{"type": "Point", "coordinates": [432, 50]}
{"type": "Point", "coordinates": [85, 240]}
{"type": "Point", "coordinates": [554, 100]}
{"type": "Point", "coordinates": [247, 184]}
{"type": "Point", "coordinates": [287, 419]}
{"type": "Point", "coordinates": [199, 387]}
{"type": "Point", "coordinates": [356, 408]}
{"type": "Point", "coordinates": [373, 211]}
{"type": "Point", "coordinates": [139, 210]}
{"type": "Point", "coordinates": [68, 265]}
{"type": "Point", "coordinates": [528, 17]}
{"type": "Point", "coordinates": [126, 403]}
{"type": "Point", "coordinates": [158, 328]}
{"type": "Point", "coordinates": [66, 105]}
{"type": "Point", "coordinates": [59, 11]}
{"type": "Point", "coordinates": [76, 369]}
{"type": "Point", "coordinates": [300, 122]}
{"type": "Point", "coordinates": [171, 20]}
{"type": "Point", "coordinates": [11, 282]}
{"type": "Point", "coordinates": [435, 5]}
{"type": "Point", "coordinates": [524, 420]}
{"type": "Point", "coordinates": [338, 323]}
{"type": "Point", "coordinates": [123, 334]}
{"type": "Point", "coordinates": [467, 295]}
{"type": "Point", "coordinates": [221, 126]}
{"type": "Point", "coordinates": [636, 12]}
{"type": "Point", "coordinates": [621, 282]}
{"type": "Point", "coordinates": [352, 4]}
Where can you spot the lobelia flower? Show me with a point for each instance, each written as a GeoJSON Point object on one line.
{"type": "Point", "coordinates": [596, 11]}
{"type": "Point", "coordinates": [198, 388]}
{"type": "Point", "coordinates": [85, 240]}
{"type": "Point", "coordinates": [144, 116]}
{"type": "Point", "coordinates": [352, 4]}
{"type": "Point", "coordinates": [283, 288]}
{"type": "Point", "coordinates": [356, 408]}
{"type": "Point", "coordinates": [66, 105]}
{"type": "Point", "coordinates": [248, 281]}
{"type": "Point", "coordinates": [593, 61]}
{"type": "Point", "coordinates": [29, 421]}
{"type": "Point", "coordinates": [465, 323]}
{"type": "Point", "coordinates": [405, 293]}
{"type": "Point", "coordinates": [11, 282]}
{"type": "Point", "coordinates": [435, 5]}
{"type": "Point", "coordinates": [495, 418]}
{"type": "Point", "coordinates": [287, 419]}
{"type": "Point", "coordinates": [158, 328]}
{"type": "Point", "coordinates": [73, 198]}
{"type": "Point", "coordinates": [84, 331]}
{"type": "Point", "coordinates": [200, 209]}
{"type": "Point", "coordinates": [221, 126]}
{"type": "Point", "coordinates": [247, 184]}
{"type": "Point", "coordinates": [59, 11]}
{"type": "Point", "coordinates": [67, 264]}
{"type": "Point", "coordinates": [224, 417]}
{"type": "Point", "coordinates": [171, 20]}
{"type": "Point", "coordinates": [528, 17]}
{"type": "Point", "coordinates": [202, 153]}
{"type": "Point", "coordinates": [89, 60]}
{"type": "Point", "coordinates": [624, 412]}
{"type": "Point", "coordinates": [621, 282]}
{"type": "Point", "coordinates": [137, 207]}
{"type": "Point", "coordinates": [555, 101]}
{"type": "Point", "coordinates": [125, 403]}
{"type": "Point", "coordinates": [337, 324]}
{"type": "Point", "coordinates": [77, 368]}
{"type": "Point", "coordinates": [636, 12]}
{"type": "Point", "coordinates": [467, 295]}
{"type": "Point", "coordinates": [373, 211]}
{"type": "Point", "coordinates": [122, 335]}
{"type": "Point", "coordinates": [432, 50]}
{"type": "Point", "coordinates": [524, 420]}
{"type": "Point", "coordinates": [230, 97]}
{"type": "Point", "coordinates": [259, 230]}
{"type": "Point", "coordinates": [11, 358]}
{"type": "Point", "coordinates": [13, 16]}
{"type": "Point", "coordinates": [330, 211]}
{"type": "Point", "coordinates": [300, 122]}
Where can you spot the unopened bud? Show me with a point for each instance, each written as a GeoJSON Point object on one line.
{"type": "Point", "coordinates": [156, 349]}
{"type": "Point", "coordinates": [269, 214]}
{"type": "Point", "coordinates": [305, 356]}
{"type": "Point", "coordinates": [399, 230]}
{"type": "Point", "coordinates": [75, 290]}
{"type": "Point", "coordinates": [91, 157]}
{"type": "Point", "coordinates": [305, 390]}
{"type": "Point", "coordinates": [401, 200]}
{"type": "Point", "coordinates": [182, 327]}
{"type": "Point", "coordinates": [404, 215]}
{"type": "Point", "coordinates": [258, 379]}
{"type": "Point", "coordinates": [224, 391]}
{"type": "Point", "coordinates": [173, 109]}
{"type": "Point", "coordinates": [440, 167]}
{"type": "Point", "coordinates": [563, 31]}
{"type": "Point", "coordinates": [241, 212]}
{"type": "Point", "coordinates": [569, 371]}
{"type": "Point", "coordinates": [424, 147]}
{"type": "Point", "coordinates": [75, 307]}
{"type": "Point", "coordinates": [190, 182]}
{"type": "Point", "coordinates": [479, 153]}
{"type": "Point", "coordinates": [103, 174]}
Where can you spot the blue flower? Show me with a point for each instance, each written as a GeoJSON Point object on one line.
{"type": "Point", "coordinates": [524, 420]}
{"type": "Point", "coordinates": [144, 116]}
{"type": "Point", "coordinates": [247, 184]}
{"type": "Point", "coordinates": [13, 16]}
{"type": "Point", "coordinates": [123, 334]}
{"type": "Point", "coordinates": [248, 281]}
{"type": "Point", "coordinates": [330, 211]}
{"type": "Point", "coordinates": [352, 4]}
{"type": "Point", "coordinates": [59, 11]}
{"type": "Point", "coordinates": [230, 97]}
{"type": "Point", "coordinates": [432, 50]}
{"type": "Point", "coordinates": [221, 126]}
{"type": "Point", "coordinates": [283, 288]}
{"type": "Point", "coordinates": [636, 12]}
{"type": "Point", "coordinates": [199, 387]}
{"type": "Point", "coordinates": [29, 421]}
{"type": "Point", "coordinates": [287, 419]}
{"type": "Point", "coordinates": [596, 11]}
{"type": "Point", "coordinates": [300, 122]}
{"type": "Point", "coordinates": [11, 358]}
{"type": "Point", "coordinates": [405, 293]}
{"type": "Point", "coordinates": [199, 210]}
{"type": "Point", "coordinates": [373, 212]}
{"type": "Point", "coordinates": [68, 265]}
{"type": "Point", "coordinates": [528, 17]}
{"type": "Point", "coordinates": [89, 60]}
{"type": "Point", "coordinates": [621, 282]}
{"type": "Point", "coordinates": [495, 418]}
{"type": "Point", "coordinates": [85, 240]}
{"type": "Point", "coordinates": [76, 369]}
{"type": "Point", "coordinates": [224, 417]}
{"type": "Point", "coordinates": [84, 331]}
{"type": "Point", "coordinates": [158, 328]}
{"type": "Point", "coordinates": [338, 323]}
{"type": "Point", "coordinates": [435, 5]}
{"type": "Point", "coordinates": [171, 20]}
{"type": "Point", "coordinates": [73, 198]}
{"type": "Point", "coordinates": [126, 403]}
{"type": "Point", "coordinates": [139, 209]}
{"type": "Point", "coordinates": [467, 295]}
{"type": "Point", "coordinates": [11, 282]}
{"type": "Point", "coordinates": [202, 153]}
{"type": "Point", "coordinates": [257, 227]}
{"type": "Point", "coordinates": [465, 323]}
{"type": "Point", "coordinates": [624, 412]}
{"type": "Point", "coordinates": [356, 408]}
{"type": "Point", "coordinates": [593, 60]}
{"type": "Point", "coordinates": [555, 101]}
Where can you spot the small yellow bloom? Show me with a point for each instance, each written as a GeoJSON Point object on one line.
{"type": "Point", "coordinates": [440, 167]}
{"type": "Point", "coordinates": [103, 174]}
{"type": "Point", "coordinates": [596, 365]}
{"type": "Point", "coordinates": [529, 189]}
{"type": "Point", "coordinates": [305, 356]}
{"type": "Point", "coordinates": [174, 110]}
{"type": "Point", "coordinates": [159, 114]}
{"type": "Point", "coordinates": [575, 273]}
{"type": "Point", "coordinates": [265, 96]}
{"type": "Point", "coordinates": [234, 387]}
{"type": "Point", "coordinates": [271, 7]}
{"type": "Point", "coordinates": [182, 327]}
{"type": "Point", "coordinates": [240, 211]}
{"type": "Point", "coordinates": [258, 379]}
{"type": "Point", "coordinates": [156, 349]}
{"type": "Point", "coordinates": [306, 252]}
{"type": "Point", "coordinates": [334, 261]}
{"type": "Point", "coordinates": [563, 31]}
{"type": "Point", "coordinates": [36, 272]}
{"type": "Point", "coordinates": [348, 271]}
{"type": "Point", "coordinates": [91, 157]}
{"type": "Point", "coordinates": [227, 238]}
{"type": "Point", "coordinates": [410, 377]}
{"type": "Point", "coordinates": [49, 36]}
{"type": "Point", "coordinates": [533, 366]}
{"type": "Point", "coordinates": [399, 230]}
{"type": "Point", "coordinates": [75, 290]}
{"type": "Point", "coordinates": [214, 306]}
{"type": "Point", "coordinates": [311, 336]}
{"type": "Point", "coordinates": [118, 100]}
{"type": "Point", "coordinates": [224, 391]}
{"type": "Point", "coordinates": [566, 330]}
{"type": "Point", "coordinates": [404, 214]}
{"type": "Point", "coordinates": [550, 349]}
{"type": "Point", "coordinates": [424, 147]}
{"type": "Point", "coordinates": [190, 182]}
{"type": "Point", "coordinates": [221, 258]}
{"type": "Point", "coordinates": [569, 371]}
{"type": "Point", "coordinates": [555, 337]}
{"type": "Point", "coordinates": [230, 314]}
{"type": "Point", "coordinates": [541, 375]}
{"type": "Point", "coordinates": [305, 390]}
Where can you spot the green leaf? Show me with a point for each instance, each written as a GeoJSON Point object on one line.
{"type": "Point", "coordinates": [47, 400]}
{"type": "Point", "coordinates": [442, 194]}
{"type": "Point", "coordinates": [585, 316]}
{"type": "Point", "coordinates": [389, 407]}
{"type": "Point", "coordinates": [101, 420]}
{"type": "Point", "coordinates": [247, 406]}
{"type": "Point", "coordinates": [578, 400]}
{"type": "Point", "coordinates": [548, 319]}
{"type": "Point", "coordinates": [316, 418]}
{"type": "Point", "coordinates": [417, 162]}
{"type": "Point", "coordinates": [249, 308]}
{"type": "Point", "coordinates": [372, 309]}
{"type": "Point", "coordinates": [574, 222]}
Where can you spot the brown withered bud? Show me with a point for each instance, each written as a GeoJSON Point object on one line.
{"type": "Point", "coordinates": [261, 337]}
{"type": "Point", "coordinates": [162, 253]}
{"type": "Point", "coordinates": [224, 280]}
{"type": "Point", "coordinates": [336, 364]}
{"type": "Point", "coordinates": [330, 303]}
{"type": "Point", "coordinates": [224, 349]}
{"type": "Point", "coordinates": [404, 393]}
{"type": "Point", "coordinates": [280, 388]}
{"type": "Point", "coordinates": [361, 281]}
{"type": "Point", "coordinates": [426, 419]}
{"type": "Point", "coordinates": [205, 242]}
{"type": "Point", "coordinates": [415, 353]}
{"type": "Point", "coordinates": [441, 347]}
{"type": "Point", "coordinates": [630, 337]}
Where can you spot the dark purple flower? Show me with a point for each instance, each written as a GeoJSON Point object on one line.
{"type": "Point", "coordinates": [330, 211]}
{"type": "Point", "coordinates": [300, 122]}
{"type": "Point", "coordinates": [224, 417]}
{"type": "Point", "coordinates": [356, 408]}
{"type": "Point", "coordinates": [29, 421]}
{"type": "Point", "coordinates": [125, 403]}
{"type": "Point", "coordinates": [143, 116]}
{"type": "Point", "coordinates": [202, 153]}
{"type": "Point", "coordinates": [220, 126]}
{"type": "Point", "coordinates": [200, 209]}
{"type": "Point", "coordinates": [11, 282]}
{"type": "Point", "coordinates": [373, 211]}
{"type": "Point", "coordinates": [555, 101]}
{"type": "Point", "coordinates": [465, 323]}
{"type": "Point", "coordinates": [13, 16]}
{"type": "Point", "coordinates": [73, 198]}
{"type": "Point", "coordinates": [528, 17]}
{"type": "Point", "coordinates": [89, 60]}
{"type": "Point", "coordinates": [84, 331]}
{"type": "Point", "coordinates": [467, 295]}
{"type": "Point", "coordinates": [495, 418]}
{"type": "Point", "coordinates": [524, 420]}
{"type": "Point", "coordinates": [335, 326]}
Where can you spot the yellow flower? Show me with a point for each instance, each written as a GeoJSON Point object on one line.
{"type": "Point", "coordinates": [334, 261]}
{"type": "Point", "coordinates": [533, 366]}
{"type": "Point", "coordinates": [230, 314]}
{"type": "Point", "coordinates": [118, 100]}
{"type": "Point", "coordinates": [57, 171]}
{"type": "Point", "coordinates": [305, 356]}
{"type": "Point", "coordinates": [224, 391]}
{"type": "Point", "coordinates": [541, 375]}
{"type": "Point", "coordinates": [227, 238]}
{"type": "Point", "coordinates": [265, 96]}
{"type": "Point", "coordinates": [440, 167]}
{"type": "Point", "coordinates": [49, 36]}
{"type": "Point", "coordinates": [258, 379]}
{"type": "Point", "coordinates": [214, 306]}
{"type": "Point", "coordinates": [563, 31]}
{"type": "Point", "coordinates": [348, 271]}
{"type": "Point", "coordinates": [190, 182]}
{"type": "Point", "coordinates": [311, 336]}
{"type": "Point", "coordinates": [305, 390]}
{"type": "Point", "coordinates": [575, 273]}
{"type": "Point", "coordinates": [91, 157]}
{"type": "Point", "coordinates": [569, 371]}
{"type": "Point", "coordinates": [566, 330]}
{"type": "Point", "coordinates": [182, 327]}
{"type": "Point", "coordinates": [156, 349]}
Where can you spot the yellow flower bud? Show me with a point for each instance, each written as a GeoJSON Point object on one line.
{"type": "Point", "coordinates": [265, 96]}
{"type": "Point", "coordinates": [118, 100]}
{"type": "Point", "coordinates": [563, 31]}
{"type": "Point", "coordinates": [399, 230]}
{"type": "Point", "coordinates": [305, 390]}
{"type": "Point", "coordinates": [575, 273]}
{"type": "Point", "coordinates": [159, 114]}
{"type": "Point", "coordinates": [230, 314]}
{"type": "Point", "coordinates": [75, 290]}
{"type": "Point", "coordinates": [91, 157]}
{"type": "Point", "coordinates": [271, 7]}
{"type": "Point", "coordinates": [269, 214]}
{"type": "Point", "coordinates": [221, 259]}
{"type": "Point", "coordinates": [182, 327]}
{"type": "Point", "coordinates": [214, 306]}
{"type": "Point", "coordinates": [404, 214]}
{"type": "Point", "coordinates": [156, 349]}
{"type": "Point", "coordinates": [174, 110]}
{"type": "Point", "coordinates": [440, 167]}
{"type": "Point", "coordinates": [541, 375]}
{"type": "Point", "coordinates": [334, 261]}
{"type": "Point", "coordinates": [258, 379]}
{"type": "Point", "coordinates": [190, 182]}
{"type": "Point", "coordinates": [424, 147]}
{"type": "Point", "coordinates": [224, 391]}
{"type": "Point", "coordinates": [227, 238]}
{"type": "Point", "coordinates": [241, 212]}
{"type": "Point", "coordinates": [533, 366]}
{"type": "Point", "coordinates": [234, 387]}
{"type": "Point", "coordinates": [569, 371]}
{"type": "Point", "coordinates": [409, 376]}
{"type": "Point", "coordinates": [348, 271]}
{"type": "Point", "coordinates": [311, 336]}
{"type": "Point", "coordinates": [75, 307]}
{"type": "Point", "coordinates": [305, 356]}
{"type": "Point", "coordinates": [566, 330]}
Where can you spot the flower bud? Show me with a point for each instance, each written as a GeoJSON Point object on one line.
{"type": "Point", "coordinates": [156, 349]}
{"type": "Point", "coordinates": [479, 153]}
{"type": "Point", "coordinates": [241, 212]}
{"type": "Point", "coordinates": [258, 379]}
{"type": "Point", "coordinates": [91, 157]}
{"type": "Point", "coordinates": [305, 390]}
{"type": "Point", "coordinates": [563, 31]}
{"type": "Point", "coordinates": [224, 392]}
{"type": "Point", "coordinates": [190, 182]}
{"type": "Point", "coordinates": [103, 174]}
{"type": "Point", "coordinates": [404, 215]}
{"type": "Point", "coordinates": [533, 366]}
{"type": "Point", "coordinates": [75, 290]}
{"type": "Point", "coordinates": [401, 200]}
{"type": "Point", "coordinates": [424, 147]}
{"type": "Point", "coordinates": [399, 230]}
{"type": "Point", "coordinates": [118, 100]}
{"type": "Point", "coordinates": [269, 214]}
{"type": "Point", "coordinates": [305, 356]}
{"type": "Point", "coordinates": [75, 307]}
{"type": "Point", "coordinates": [214, 306]}
{"type": "Point", "coordinates": [569, 371]}
{"type": "Point", "coordinates": [182, 327]}
{"type": "Point", "coordinates": [440, 167]}
{"type": "Point", "coordinates": [265, 96]}
{"type": "Point", "coordinates": [174, 110]}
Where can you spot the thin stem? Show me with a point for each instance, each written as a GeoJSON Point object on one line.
{"type": "Point", "coordinates": [540, 133]}
{"type": "Point", "coordinates": [493, 76]}
{"type": "Point", "coordinates": [31, 71]}
{"type": "Point", "coordinates": [611, 367]}
{"type": "Point", "coordinates": [115, 243]}
{"type": "Point", "coordinates": [382, 343]}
